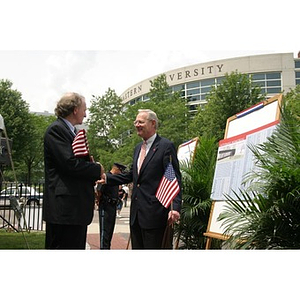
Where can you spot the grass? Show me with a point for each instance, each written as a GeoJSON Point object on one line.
{"type": "Point", "coordinates": [18, 240]}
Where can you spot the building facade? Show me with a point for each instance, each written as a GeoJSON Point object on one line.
{"type": "Point", "coordinates": [274, 73]}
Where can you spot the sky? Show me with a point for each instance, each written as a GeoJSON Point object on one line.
{"type": "Point", "coordinates": [52, 49]}
{"type": "Point", "coordinates": [43, 76]}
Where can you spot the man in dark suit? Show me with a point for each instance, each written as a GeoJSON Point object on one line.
{"type": "Point", "coordinates": [69, 199]}
{"type": "Point", "coordinates": [148, 217]}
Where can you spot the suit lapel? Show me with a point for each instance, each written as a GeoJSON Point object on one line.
{"type": "Point", "coordinates": [150, 153]}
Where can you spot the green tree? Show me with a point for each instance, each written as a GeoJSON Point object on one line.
{"type": "Point", "coordinates": [171, 110]}
{"type": "Point", "coordinates": [101, 121]}
{"type": "Point", "coordinates": [33, 170]}
{"type": "Point", "coordinates": [15, 112]}
{"type": "Point", "coordinates": [233, 95]}
{"type": "Point", "coordinates": [292, 99]}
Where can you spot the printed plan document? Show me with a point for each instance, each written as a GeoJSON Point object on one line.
{"type": "Point", "coordinates": [235, 160]}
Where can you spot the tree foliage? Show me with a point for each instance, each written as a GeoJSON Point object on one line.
{"type": "Point", "coordinates": [33, 162]}
{"type": "Point", "coordinates": [171, 110]}
{"type": "Point", "coordinates": [233, 95]}
{"type": "Point", "coordinates": [15, 112]}
{"type": "Point", "coordinates": [26, 131]}
{"type": "Point", "coordinates": [292, 99]}
{"type": "Point", "coordinates": [16, 116]}
{"type": "Point", "coordinates": [101, 122]}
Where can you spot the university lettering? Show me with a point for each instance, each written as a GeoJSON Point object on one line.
{"type": "Point", "coordinates": [195, 72]}
{"type": "Point", "coordinates": [132, 92]}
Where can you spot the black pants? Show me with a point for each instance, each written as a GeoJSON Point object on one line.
{"type": "Point", "coordinates": [65, 236]}
{"type": "Point", "coordinates": [146, 238]}
{"type": "Point", "coordinates": [107, 220]}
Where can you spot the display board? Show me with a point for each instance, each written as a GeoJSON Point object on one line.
{"type": "Point", "coordinates": [186, 151]}
{"type": "Point", "coordinates": [234, 160]}
{"type": "Point", "coordinates": [185, 154]}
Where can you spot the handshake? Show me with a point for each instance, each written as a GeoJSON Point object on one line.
{"type": "Point", "coordinates": [99, 186]}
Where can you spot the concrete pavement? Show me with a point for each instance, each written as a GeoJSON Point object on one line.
{"type": "Point", "coordinates": [121, 232]}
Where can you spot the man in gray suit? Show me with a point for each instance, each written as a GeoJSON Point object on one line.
{"type": "Point", "coordinates": [148, 217]}
{"type": "Point", "coordinates": [69, 198]}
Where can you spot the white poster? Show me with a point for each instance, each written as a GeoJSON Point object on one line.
{"type": "Point", "coordinates": [186, 151]}
{"type": "Point", "coordinates": [235, 160]}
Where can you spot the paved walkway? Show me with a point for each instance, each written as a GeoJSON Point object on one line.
{"type": "Point", "coordinates": [121, 232]}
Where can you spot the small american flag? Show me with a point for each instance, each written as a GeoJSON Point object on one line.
{"type": "Point", "coordinates": [80, 144]}
{"type": "Point", "coordinates": [168, 188]}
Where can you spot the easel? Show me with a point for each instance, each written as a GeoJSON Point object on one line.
{"type": "Point", "coordinates": [243, 123]}
{"type": "Point", "coordinates": [13, 201]}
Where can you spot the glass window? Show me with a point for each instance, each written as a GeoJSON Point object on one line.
{"type": "Point", "coordinates": [258, 83]}
{"type": "Point", "coordinates": [207, 82]}
{"type": "Point", "coordinates": [193, 98]}
{"type": "Point", "coordinates": [206, 90]}
{"type": "Point", "coordinates": [273, 76]}
{"type": "Point", "coordinates": [193, 92]}
{"type": "Point", "coordinates": [191, 85]}
{"type": "Point", "coordinates": [297, 64]}
{"type": "Point", "coordinates": [274, 83]}
{"type": "Point", "coordinates": [220, 79]}
{"type": "Point", "coordinates": [297, 74]}
{"type": "Point", "coordinates": [258, 77]}
{"type": "Point", "coordinates": [273, 90]}
{"type": "Point", "coordinates": [177, 88]}
{"type": "Point", "coordinates": [297, 81]}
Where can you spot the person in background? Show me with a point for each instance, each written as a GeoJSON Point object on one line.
{"type": "Point", "coordinates": [148, 217]}
{"type": "Point", "coordinates": [126, 193]}
{"type": "Point", "coordinates": [107, 201]}
{"type": "Point", "coordinates": [68, 205]}
{"type": "Point", "coordinates": [121, 197]}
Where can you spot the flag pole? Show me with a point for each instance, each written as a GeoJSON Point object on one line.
{"type": "Point", "coordinates": [172, 200]}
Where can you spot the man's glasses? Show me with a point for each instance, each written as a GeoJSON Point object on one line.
{"type": "Point", "coordinates": [138, 123]}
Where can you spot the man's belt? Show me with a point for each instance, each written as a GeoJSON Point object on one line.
{"type": "Point", "coordinates": [110, 200]}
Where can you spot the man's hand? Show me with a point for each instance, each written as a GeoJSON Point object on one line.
{"type": "Point", "coordinates": [173, 217]}
{"type": "Point", "coordinates": [102, 179]}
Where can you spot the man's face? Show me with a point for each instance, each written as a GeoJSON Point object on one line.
{"type": "Point", "coordinates": [80, 112]}
{"type": "Point", "coordinates": [145, 128]}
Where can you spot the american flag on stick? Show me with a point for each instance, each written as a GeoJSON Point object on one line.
{"type": "Point", "coordinates": [80, 144]}
{"type": "Point", "coordinates": [168, 188]}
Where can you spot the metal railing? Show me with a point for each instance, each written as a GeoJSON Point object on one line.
{"type": "Point", "coordinates": [21, 207]}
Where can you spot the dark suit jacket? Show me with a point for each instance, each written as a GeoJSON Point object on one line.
{"type": "Point", "coordinates": [69, 181]}
{"type": "Point", "coordinates": [151, 213]}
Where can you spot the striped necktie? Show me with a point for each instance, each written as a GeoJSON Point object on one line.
{"type": "Point", "coordinates": [142, 155]}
